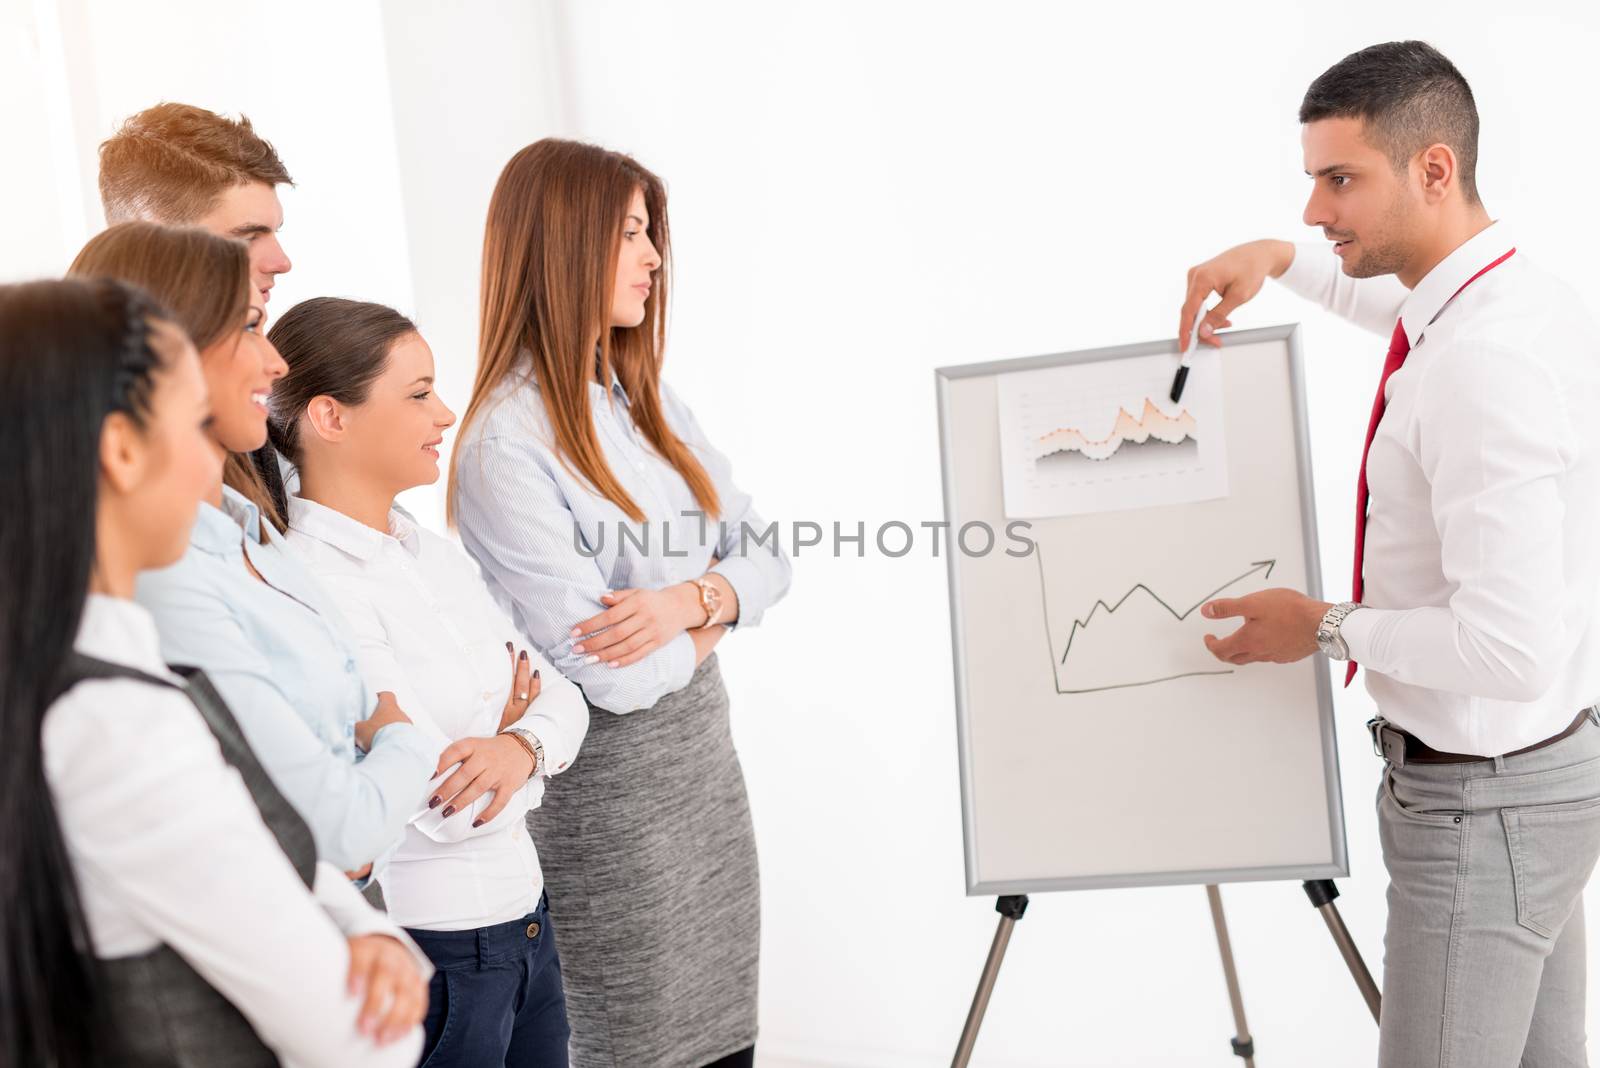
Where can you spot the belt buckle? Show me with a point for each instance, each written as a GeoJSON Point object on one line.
{"type": "Point", "coordinates": [1390, 746]}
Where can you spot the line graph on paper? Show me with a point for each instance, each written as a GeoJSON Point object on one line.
{"type": "Point", "coordinates": [1139, 636]}
{"type": "Point", "coordinates": [1151, 426]}
{"type": "Point", "coordinates": [1103, 436]}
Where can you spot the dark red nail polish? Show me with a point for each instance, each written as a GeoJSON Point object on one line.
{"type": "Point", "coordinates": [477, 823]}
{"type": "Point", "coordinates": [535, 672]}
{"type": "Point", "coordinates": [524, 655]}
{"type": "Point", "coordinates": [449, 810]}
{"type": "Point", "coordinates": [433, 802]}
{"type": "Point", "coordinates": [508, 647]}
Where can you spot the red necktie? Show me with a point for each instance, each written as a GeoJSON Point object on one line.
{"type": "Point", "coordinates": [1399, 348]}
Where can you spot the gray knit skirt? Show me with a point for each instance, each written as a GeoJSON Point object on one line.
{"type": "Point", "coordinates": [649, 859]}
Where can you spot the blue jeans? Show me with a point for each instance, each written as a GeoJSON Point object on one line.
{"type": "Point", "coordinates": [496, 996]}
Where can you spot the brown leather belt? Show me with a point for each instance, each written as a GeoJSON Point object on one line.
{"type": "Point", "coordinates": [1400, 748]}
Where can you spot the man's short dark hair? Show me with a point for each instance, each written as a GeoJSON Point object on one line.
{"type": "Point", "coordinates": [171, 164]}
{"type": "Point", "coordinates": [1409, 96]}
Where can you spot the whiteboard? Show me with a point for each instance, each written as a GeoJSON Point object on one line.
{"type": "Point", "coordinates": [1101, 745]}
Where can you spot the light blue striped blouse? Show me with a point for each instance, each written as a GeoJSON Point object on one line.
{"type": "Point", "coordinates": [282, 658]}
{"type": "Point", "coordinates": [518, 508]}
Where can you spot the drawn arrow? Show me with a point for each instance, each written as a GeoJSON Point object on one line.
{"type": "Point", "coordinates": [1264, 566]}
{"type": "Point", "coordinates": [1082, 624]}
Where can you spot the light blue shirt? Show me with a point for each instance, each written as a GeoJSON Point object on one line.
{"type": "Point", "coordinates": [281, 657]}
{"type": "Point", "coordinates": [518, 507]}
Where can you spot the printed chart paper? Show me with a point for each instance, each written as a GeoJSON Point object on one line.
{"type": "Point", "coordinates": [1104, 437]}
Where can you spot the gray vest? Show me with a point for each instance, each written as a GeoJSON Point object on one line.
{"type": "Point", "coordinates": [168, 1016]}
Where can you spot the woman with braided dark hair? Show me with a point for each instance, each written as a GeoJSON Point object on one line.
{"type": "Point", "coordinates": [160, 902]}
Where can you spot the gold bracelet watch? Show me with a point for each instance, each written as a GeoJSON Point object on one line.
{"type": "Point", "coordinates": [710, 600]}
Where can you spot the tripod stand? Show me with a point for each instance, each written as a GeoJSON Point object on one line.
{"type": "Point", "coordinates": [1321, 892]}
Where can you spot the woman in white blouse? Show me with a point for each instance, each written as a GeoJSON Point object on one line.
{"type": "Point", "coordinates": [139, 823]}
{"type": "Point", "coordinates": [359, 418]}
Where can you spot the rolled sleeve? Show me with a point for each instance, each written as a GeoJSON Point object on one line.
{"type": "Point", "coordinates": [750, 556]}
{"type": "Point", "coordinates": [516, 524]}
{"type": "Point", "coordinates": [750, 584]}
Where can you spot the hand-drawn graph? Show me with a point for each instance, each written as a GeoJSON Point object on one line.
{"type": "Point", "coordinates": [1099, 437]}
{"type": "Point", "coordinates": [1139, 638]}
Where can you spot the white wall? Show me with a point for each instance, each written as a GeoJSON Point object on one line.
{"type": "Point", "coordinates": [470, 85]}
{"type": "Point", "coordinates": [313, 78]}
{"type": "Point", "coordinates": [43, 210]}
{"type": "Point", "coordinates": [862, 193]}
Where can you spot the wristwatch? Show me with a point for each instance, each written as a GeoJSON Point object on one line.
{"type": "Point", "coordinates": [529, 741]}
{"type": "Point", "coordinates": [1329, 640]}
{"type": "Point", "coordinates": [710, 600]}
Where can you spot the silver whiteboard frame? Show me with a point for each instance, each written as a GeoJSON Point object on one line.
{"type": "Point", "coordinates": [1340, 867]}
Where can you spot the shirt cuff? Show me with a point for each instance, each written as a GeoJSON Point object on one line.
{"type": "Point", "coordinates": [458, 826]}
{"type": "Point", "coordinates": [744, 575]}
{"type": "Point", "coordinates": [1357, 632]}
{"type": "Point", "coordinates": [557, 754]}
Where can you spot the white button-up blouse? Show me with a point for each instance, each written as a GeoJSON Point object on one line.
{"type": "Point", "coordinates": [430, 633]}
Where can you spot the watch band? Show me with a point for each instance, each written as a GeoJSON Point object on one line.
{"type": "Point", "coordinates": [1329, 639]}
{"type": "Point", "coordinates": [529, 741]}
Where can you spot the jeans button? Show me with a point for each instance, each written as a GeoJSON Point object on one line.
{"type": "Point", "coordinates": [533, 929]}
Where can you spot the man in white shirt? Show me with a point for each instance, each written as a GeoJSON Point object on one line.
{"type": "Point", "coordinates": [1477, 562]}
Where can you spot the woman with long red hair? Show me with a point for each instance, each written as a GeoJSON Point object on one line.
{"type": "Point", "coordinates": [612, 529]}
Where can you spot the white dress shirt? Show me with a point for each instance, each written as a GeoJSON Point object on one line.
{"type": "Point", "coordinates": [430, 632]}
{"type": "Point", "coordinates": [1482, 559]}
{"type": "Point", "coordinates": [168, 848]}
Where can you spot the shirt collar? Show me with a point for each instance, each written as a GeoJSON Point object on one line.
{"type": "Point", "coordinates": [1431, 294]}
{"type": "Point", "coordinates": [120, 631]}
{"type": "Point", "coordinates": [351, 535]}
{"type": "Point", "coordinates": [597, 391]}
{"type": "Point", "coordinates": [218, 530]}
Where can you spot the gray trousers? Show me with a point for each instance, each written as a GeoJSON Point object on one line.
{"type": "Point", "coordinates": [1484, 954]}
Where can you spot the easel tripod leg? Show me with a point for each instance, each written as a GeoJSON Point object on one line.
{"type": "Point", "coordinates": [1010, 909]}
{"type": "Point", "coordinates": [1322, 892]}
{"type": "Point", "coordinates": [1243, 1045]}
